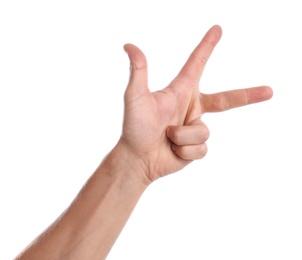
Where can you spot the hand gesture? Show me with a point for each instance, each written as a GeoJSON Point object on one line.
{"type": "Point", "coordinates": [163, 129]}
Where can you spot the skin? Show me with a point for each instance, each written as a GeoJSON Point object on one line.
{"type": "Point", "coordinates": [162, 133]}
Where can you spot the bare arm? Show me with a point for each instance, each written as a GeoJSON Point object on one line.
{"type": "Point", "coordinates": [162, 133]}
{"type": "Point", "coordinates": [90, 226]}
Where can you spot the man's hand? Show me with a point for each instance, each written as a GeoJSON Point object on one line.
{"type": "Point", "coordinates": [162, 133]}
{"type": "Point", "coordinates": [163, 129]}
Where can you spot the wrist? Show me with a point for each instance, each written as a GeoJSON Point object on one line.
{"type": "Point", "coordinates": [127, 164]}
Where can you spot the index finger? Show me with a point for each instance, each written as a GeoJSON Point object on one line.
{"type": "Point", "coordinates": [196, 62]}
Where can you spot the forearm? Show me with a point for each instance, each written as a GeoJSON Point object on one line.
{"type": "Point", "coordinates": [92, 223]}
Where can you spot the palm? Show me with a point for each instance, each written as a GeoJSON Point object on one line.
{"type": "Point", "coordinates": [147, 115]}
{"type": "Point", "coordinates": [145, 123]}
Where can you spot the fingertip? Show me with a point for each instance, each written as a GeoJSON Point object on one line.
{"type": "Point", "coordinates": [217, 27]}
{"type": "Point", "coordinates": [264, 93]}
{"type": "Point", "coordinates": [268, 91]}
{"type": "Point", "coordinates": [173, 147]}
{"type": "Point", "coordinates": [138, 80]}
{"type": "Point", "coordinates": [168, 131]}
{"type": "Point", "coordinates": [128, 46]}
{"type": "Point", "coordinates": [216, 30]}
{"type": "Point", "coordinates": [137, 57]}
{"type": "Point", "coordinates": [125, 48]}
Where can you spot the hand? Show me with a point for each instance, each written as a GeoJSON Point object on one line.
{"type": "Point", "coordinates": [163, 129]}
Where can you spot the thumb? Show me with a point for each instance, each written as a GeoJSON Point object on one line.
{"type": "Point", "coordinates": [138, 81]}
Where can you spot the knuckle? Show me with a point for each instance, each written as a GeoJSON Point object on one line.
{"type": "Point", "coordinates": [200, 59]}
{"type": "Point", "coordinates": [205, 133]}
{"type": "Point", "coordinates": [224, 102]}
{"type": "Point", "coordinates": [201, 151]}
{"type": "Point", "coordinates": [208, 42]}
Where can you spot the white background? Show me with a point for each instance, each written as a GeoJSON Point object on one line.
{"type": "Point", "coordinates": [63, 72]}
